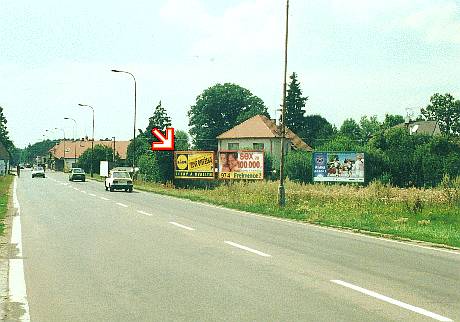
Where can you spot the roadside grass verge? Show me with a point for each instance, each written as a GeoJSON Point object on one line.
{"type": "Point", "coordinates": [431, 215]}
{"type": "Point", "coordinates": [5, 183]}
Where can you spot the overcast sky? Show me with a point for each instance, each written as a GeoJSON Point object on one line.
{"type": "Point", "coordinates": [353, 57]}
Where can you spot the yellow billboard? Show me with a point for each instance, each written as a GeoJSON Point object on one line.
{"type": "Point", "coordinates": [193, 164]}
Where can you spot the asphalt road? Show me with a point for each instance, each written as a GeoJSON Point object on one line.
{"type": "Point", "coordinates": [93, 255]}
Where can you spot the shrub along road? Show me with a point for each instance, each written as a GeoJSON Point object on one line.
{"type": "Point", "coordinates": [92, 255]}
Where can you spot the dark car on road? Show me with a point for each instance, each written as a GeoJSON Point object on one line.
{"type": "Point", "coordinates": [77, 174]}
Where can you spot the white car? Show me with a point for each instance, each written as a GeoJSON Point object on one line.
{"type": "Point", "coordinates": [119, 180]}
{"type": "Point", "coordinates": [38, 172]}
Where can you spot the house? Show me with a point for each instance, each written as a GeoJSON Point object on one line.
{"type": "Point", "coordinates": [421, 127]}
{"type": "Point", "coordinates": [4, 160]}
{"type": "Point", "coordinates": [260, 133]}
{"type": "Point", "coordinates": [75, 148]}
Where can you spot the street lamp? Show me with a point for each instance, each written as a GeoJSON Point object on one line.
{"type": "Point", "coordinates": [92, 142]}
{"type": "Point", "coordinates": [74, 131]}
{"type": "Point", "coordinates": [281, 190]}
{"type": "Point", "coordinates": [134, 128]}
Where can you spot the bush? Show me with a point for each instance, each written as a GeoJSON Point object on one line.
{"type": "Point", "coordinates": [299, 166]}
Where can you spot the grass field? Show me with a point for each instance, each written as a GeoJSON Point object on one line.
{"type": "Point", "coordinates": [5, 183]}
{"type": "Point", "coordinates": [431, 215]}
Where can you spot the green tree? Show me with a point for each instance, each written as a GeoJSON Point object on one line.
{"type": "Point", "coordinates": [392, 120]}
{"type": "Point", "coordinates": [446, 111]}
{"type": "Point", "coordinates": [181, 140]}
{"type": "Point", "coordinates": [159, 120]}
{"type": "Point", "coordinates": [101, 153]}
{"type": "Point", "coordinates": [295, 105]}
{"type": "Point", "coordinates": [4, 136]}
{"type": "Point", "coordinates": [142, 147]}
{"type": "Point", "coordinates": [316, 130]}
{"type": "Point", "coordinates": [369, 127]}
{"type": "Point", "coordinates": [218, 109]}
{"type": "Point", "coordinates": [350, 129]}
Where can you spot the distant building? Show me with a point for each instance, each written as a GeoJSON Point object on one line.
{"type": "Point", "coordinates": [73, 150]}
{"type": "Point", "coordinates": [260, 133]}
{"type": "Point", "coordinates": [421, 127]}
{"type": "Point", "coordinates": [4, 160]}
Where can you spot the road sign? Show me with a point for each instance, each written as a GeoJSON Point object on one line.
{"type": "Point", "coordinates": [166, 142]}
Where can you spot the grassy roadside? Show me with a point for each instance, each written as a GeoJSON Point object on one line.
{"type": "Point", "coordinates": [431, 215]}
{"type": "Point", "coordinates": [5, 183]}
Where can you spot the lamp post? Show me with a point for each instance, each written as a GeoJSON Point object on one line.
{"type": "Point", "coordinates": [281, 190]}
{"type": "Point", "coordinates": [134, 128]}
{"type": "Point", "coordinates": [92, 141]}
{"type": "Point", "coordinates": [75, 142]}
{"type": "Point", "coordinates": [63, 168]}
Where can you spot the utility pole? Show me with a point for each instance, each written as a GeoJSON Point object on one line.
{"type": "Point", "coordinates": [281, 190]}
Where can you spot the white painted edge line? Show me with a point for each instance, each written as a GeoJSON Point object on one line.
{"type": "Point", "coordinates": [247, 248]}
{"type": "Point", "coordinates": [392, 301]}
{"type": "Point", "coordinates": [122, 204]}
{"type": "Point", "coordinates": [291, 221]}
{"type": "Point", "coordinates": [181, 226]}
{"type": "Point", "coordinates": [103, 198]}
{"type": "Point", "coordinates": [16, 281]}
{"type": "Point", "coordinates": [144, 213]}
{"type": "Point", "coordinates": [92, 194]}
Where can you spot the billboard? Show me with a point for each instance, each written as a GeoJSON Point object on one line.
{"type": "Point", "coordinates": [193, 164]}
{"type": "Point", "coordinates": [241, 164]}
{"type": "Point", "coordinates": [338, 167]}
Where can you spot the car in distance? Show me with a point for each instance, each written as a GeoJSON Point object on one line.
{"type": "Point", "coordinates": [119, 180]}
{"type": "Point", "coordinates": [77, 174]}
{"type": "Point", "coordinates": [38, 172]}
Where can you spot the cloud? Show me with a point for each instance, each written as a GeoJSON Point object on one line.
{"type": "Point", "coordinates": [437, 23]}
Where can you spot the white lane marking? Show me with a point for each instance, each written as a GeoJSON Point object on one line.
{"type": "Point", "coordinates": [338, 230]}
{"type": "Point", "coordinates": [92, 194]}
{"type": "Point", "coordinates": [17, 287]}
{"type": "Point", "coordinates": [83, 191]}
{"type": "Point", "coordinates": [16, 234]}
{"type": "Point", "coordinates": [181, 226]}
{"type": "Point", "coordinates": [76, 189]}
{"type": "Point", "coordinates": [16, 282]}
{"type": "Point", "coordinates": [144, 213]}
{"type": "Point", "coordinates": [121, 204]}
{"type": "Point", "coordinates": [103, 198]}
{"type": "Point", "coordinates": [392, 301]}
{"type": "Point", "coordinates": [247, 248]}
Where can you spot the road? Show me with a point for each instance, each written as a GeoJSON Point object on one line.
{"type": "Point", "coordinates": [93, 255]}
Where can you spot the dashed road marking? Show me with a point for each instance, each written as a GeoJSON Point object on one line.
{"type": "Point", "coordinates": [392, 301]}
{"type": "Point", "coordinates": [122, 204]}
{"type": "Point", "coordinates": [255, 251]}
{"type": "Point", "coordinates": [181, 226]}
{"type": "Point", "coordinates": [92, 194]}
{"type": "Point", "coordinates": [144, 213]}
{"type": "Point", "coordinates": [103, 198]}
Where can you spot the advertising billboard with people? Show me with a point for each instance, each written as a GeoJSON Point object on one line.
{"type": "Point", "coordinates": [241, 164]}
{"type": "Point", "coordinates": [338, 167]}
{"type": "Point", "coordinates": [194, 165]}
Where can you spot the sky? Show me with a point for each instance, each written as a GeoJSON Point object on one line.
{"type": "Point", "coordinates": [353, 58]}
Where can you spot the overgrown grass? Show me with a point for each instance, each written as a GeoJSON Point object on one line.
{"type": "Point", "coordinates": [5, 183]}
{"type": "Point", "coordinates": [431, 215]}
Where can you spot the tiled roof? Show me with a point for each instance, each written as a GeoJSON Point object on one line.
{"type": "Point", "coordinates": [260, 126]}
{"type": "Point", "coordinates": [82, 145]}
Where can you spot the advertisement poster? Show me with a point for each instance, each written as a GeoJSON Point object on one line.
{"type": "Point", "coordinates": [194, 165]}
{"type": "Point", "coordinates": [241, 165]}
{"type": "Point", "coordinates": [338, 167]}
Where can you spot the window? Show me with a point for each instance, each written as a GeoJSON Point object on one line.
{"type": "Point", "coordinates": [233, 146]}
{"type": "Point", "coordinates": [258, 146]}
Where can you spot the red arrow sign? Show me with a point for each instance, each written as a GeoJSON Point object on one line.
{"type": "Point", "coordinates": [166, 143]}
